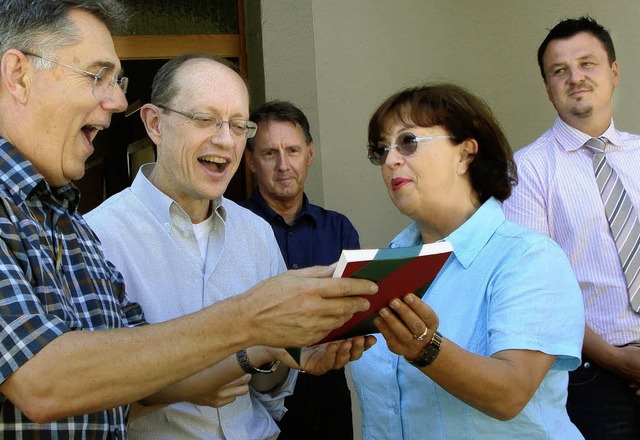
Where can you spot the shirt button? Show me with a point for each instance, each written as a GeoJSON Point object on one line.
{"type": "Point", "coordinates": [395, 410]}
{"type": "Point", "coordinates": [295, 266]}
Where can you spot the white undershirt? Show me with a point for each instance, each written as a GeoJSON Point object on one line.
{"type": "Point", "coordinates": [202, 230]}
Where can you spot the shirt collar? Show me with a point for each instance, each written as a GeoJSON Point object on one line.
{"type": "Point", "coordinates": [267, 212]}
{"type": "Point", "coordinates": [22, 180]}
{"type": "Point", "coordinates": [572, 139]}
{"type": "Point", "coordinates": [160, 204]}
{"type": "Point", "coordinates": [468, 240]}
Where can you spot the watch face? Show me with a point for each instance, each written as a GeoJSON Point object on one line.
{"type": "Point", "coordinates": [430, 352]}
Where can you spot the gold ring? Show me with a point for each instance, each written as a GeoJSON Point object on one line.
{"type": "Point", "coordinates": [423, 335]}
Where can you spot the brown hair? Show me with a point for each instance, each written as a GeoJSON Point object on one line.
{"type": "Point", "coordinates": [573, 26]}
{"type": "Point", "coordinates": [464, 116]}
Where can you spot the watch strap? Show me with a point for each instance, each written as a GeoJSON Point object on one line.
{"type": "Point", "coordinates": [429, 353]}
{"type": "Point", "coordinates": [247, 367]}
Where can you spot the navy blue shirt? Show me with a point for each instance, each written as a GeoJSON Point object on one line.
{"type": "Point", "coordinates": [320, 407]}
{"type": "Point", "coordinates": [316, 237]}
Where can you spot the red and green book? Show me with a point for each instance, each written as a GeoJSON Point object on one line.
{"type": "Point", "coordinates": [396, 271]}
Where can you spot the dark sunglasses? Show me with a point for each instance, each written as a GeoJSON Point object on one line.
{"type": "Point", "coordinates": [406, 144]}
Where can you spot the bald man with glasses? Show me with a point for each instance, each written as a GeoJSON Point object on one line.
{"type": "Point", "coordinates": [194, 248]}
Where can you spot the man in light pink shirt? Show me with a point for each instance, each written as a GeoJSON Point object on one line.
{"type": "Point", "coordinates": [557, 194]}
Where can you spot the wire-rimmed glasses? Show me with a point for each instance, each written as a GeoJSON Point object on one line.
{"type": "Point", "coordinates": [104, 80]}
{"type": "Point", "coordinates": [239, 127]}
{"type": "Point", "coordinates": [406, 144]}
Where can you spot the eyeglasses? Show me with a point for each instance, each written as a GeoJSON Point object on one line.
{"type": "Point", "coordinates": [104, 80]}
{"type": "Point", "coordinates": [238, 127]}
{"type": "Point", "coordinates": [406, 144]}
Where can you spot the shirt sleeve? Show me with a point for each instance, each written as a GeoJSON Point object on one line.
{"type": "Point", "coordinates": [26, 326]}
{"type": "Point", "coordinates": [536, 304]}
{"type": "Point", "coordinates": [527, 205]}
{"type": "Point", "coordinates": [273, 401]}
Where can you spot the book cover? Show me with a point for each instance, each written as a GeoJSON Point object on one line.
{"type": "Point", "coordinates": [396, 271]}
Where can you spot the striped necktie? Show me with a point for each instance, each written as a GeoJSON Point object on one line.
{"type": "Point", "coordinates": [621, 216]}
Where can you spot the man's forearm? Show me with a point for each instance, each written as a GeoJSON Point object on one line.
{"type": "Point", "coordinates": [211, 379]}
{"type": "Point", "coordinates": [91, 371]}
{"type": "Point", "coordinates": [83, 372]}
{"type": "Point", "coordinates": [597, 349]}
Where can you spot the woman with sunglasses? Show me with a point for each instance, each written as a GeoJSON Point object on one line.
{"type": "Point", "coordinates": [485, 353]}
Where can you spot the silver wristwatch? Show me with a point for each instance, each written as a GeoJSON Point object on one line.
{"type": "Point", "coordinates": [246, 366]}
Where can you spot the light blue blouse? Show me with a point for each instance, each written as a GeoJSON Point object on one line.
{"type": "Point", "coordinates": [504, 287]}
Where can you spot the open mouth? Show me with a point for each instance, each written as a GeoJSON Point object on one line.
{"type": "Point", "coordinates": [90, 132]}
{"type": "Point", "coordinates": [217, 163]}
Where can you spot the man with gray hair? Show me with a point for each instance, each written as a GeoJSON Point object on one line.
{"type": "Point", "coordinates": [75, 350]}
{"type": "Point", "coordinates": [280, 156]}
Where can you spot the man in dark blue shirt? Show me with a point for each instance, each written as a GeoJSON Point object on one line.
{"type": "Point", "coordinates": [280, 156]}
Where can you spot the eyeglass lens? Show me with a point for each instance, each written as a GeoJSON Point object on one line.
{"type": "Point", "coordinates": [239, 127]}
{"type": "Point", "coordinates": [105, 81]}
{"type": "Point", "coordinates": [405, 144]}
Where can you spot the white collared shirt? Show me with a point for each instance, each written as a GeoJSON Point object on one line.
{"type": "Point", "coordinates": [151, 240]}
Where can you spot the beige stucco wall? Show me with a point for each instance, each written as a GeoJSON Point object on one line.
{"type": "Point", "coordinates": [338, 59]}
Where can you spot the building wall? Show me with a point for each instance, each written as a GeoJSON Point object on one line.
{"type": "Point", "coordinates": [284, 67]}
{"type": "Point", "coordinates": [339, 59]}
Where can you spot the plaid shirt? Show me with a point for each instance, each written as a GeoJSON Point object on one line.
{"type": "Point", "coordinates": [54, 279]}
